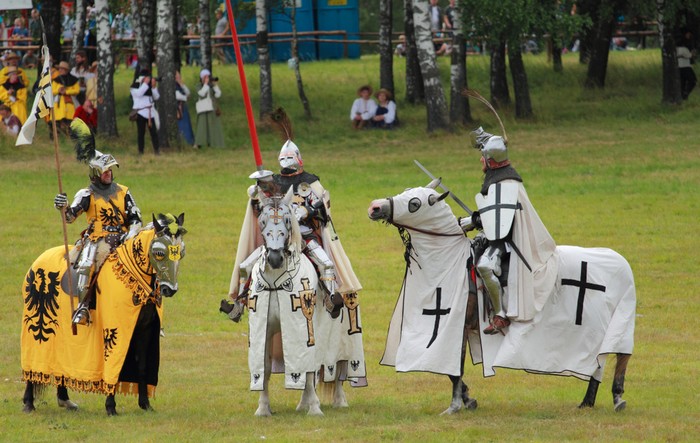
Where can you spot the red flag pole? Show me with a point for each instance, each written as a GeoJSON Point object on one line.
{"type": "Point", "coordinates": [244, 87]}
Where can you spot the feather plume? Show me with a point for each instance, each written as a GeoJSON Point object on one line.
{"type": "Point", "coordinates": [84, 140]}
{"type": "Point", "coordinates": [470, 93]}
{"type": "Point", "coordinates": [281, 123]}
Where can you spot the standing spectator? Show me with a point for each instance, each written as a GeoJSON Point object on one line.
{"type": "Point", "coordinates": [436, 19]}
{"type": "Point", "coordinates": [13, 94]}
{"type": "Point", "coordinates": [91, 84]}
{"type": "Point", "coordinates": [385, 116]}
{"type": "Point", "coordinates": [144, 92]}
{"type": "Point", "coordinates": [685, 52]}
{"type": "Point", "coordinates": [87, 112]}
{"type": "Point", "coordinates": [80, 71]}
{"type": "Point", "coordinates": [65, 88]}
{"type": "Point", "coordinates": [10, 122]}
{"type": "Point", "coordinates": [182, 93]}
{"type": "Point", "coordinates": [363, 108]}
{"type": "Point", "coordinates": [19, 32]}
{"type": "Point", "coordinates": [450, 17]}
{"type": "Point", "coordinates": [67, 24]}
{"type": "Point", "coordinates": [35, 27]}
{"type": "Point", "coordinates": [209, 131]}
{"type": "Point", "coordinates": [225, 53]}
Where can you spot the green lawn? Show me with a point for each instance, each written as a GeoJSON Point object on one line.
{"type": "Point", "coordinates": [604, 168]}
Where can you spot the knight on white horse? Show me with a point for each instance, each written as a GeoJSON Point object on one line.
{"type": "Point", "coordinates": [519, 264]}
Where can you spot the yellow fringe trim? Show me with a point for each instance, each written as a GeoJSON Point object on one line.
{"type": "Point", "coordinates": [141, 292]}
{"type": "Point", "coordinates": [90, 386]}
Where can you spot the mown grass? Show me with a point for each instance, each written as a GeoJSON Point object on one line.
{"type": "Point", "coordinates": [604, 168]}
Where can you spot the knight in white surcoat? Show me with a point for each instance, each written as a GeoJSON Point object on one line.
{"type": "Point", "coordinates": [517, 260]}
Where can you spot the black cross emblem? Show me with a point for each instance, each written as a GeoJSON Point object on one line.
{"type": "Point", "coordinates": [582, 286]}
{"type": "Point", "coordinates": [497, 206]}
{"type": "Point", "coordinates": [437, 312]}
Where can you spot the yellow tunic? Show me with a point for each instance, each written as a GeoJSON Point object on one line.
{"type": "Point", "coordinates": [108, 216]}
{"type": "Point", "coordinates": [63, 104]}
{"type": "Point", "coordinates": [19, 106]}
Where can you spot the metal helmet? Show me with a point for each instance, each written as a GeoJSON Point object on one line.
{"type": "Point", "coordinates": [493, 148]}
{"type": "Point", "coordinates": [101, 163]}
{"type": "Point", "coordinates": [290, 157]}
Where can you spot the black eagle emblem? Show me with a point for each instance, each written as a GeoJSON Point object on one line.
{"type": "Point", "coordinates": [139, 256]}
{"type": "Point", "coordinates": [109, 217]}
{"type": "Point", "coordinates": [41, 303]}
{"type": "Point", "coordinates": [110, 341]}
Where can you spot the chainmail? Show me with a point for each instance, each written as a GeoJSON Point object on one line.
{"type": "Point", "coordinates": [498, 175]}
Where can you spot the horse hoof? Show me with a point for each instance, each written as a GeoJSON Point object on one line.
{"type": "Point", "coordinates": [146, 407]}
{"type": "Point", "coordinates": [585, 404]}
{"type": "Point", "coordinates": [471, 404]}
{"type": "Point", "coordinates": [111, 412]}
{"type": "Point", "coordinates": [68, 404]}
{"type": "Point", "coordinates": [315, 412]}
{"type": "Point", "coordinates": [302, 406]}
{"type": "Point", "coordinates": [620, 406]}
{"type": "Point", "coordinates": [341, 404]}
{"type": "Point", "coordinates": [263, 412]}
{"type": "Point", "coordinates": [28, 408]}
{"type": "Point", "coordinates": [451, 410]}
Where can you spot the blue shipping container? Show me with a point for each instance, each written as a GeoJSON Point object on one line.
{"type": "Point", "coordinates": [278, 22]}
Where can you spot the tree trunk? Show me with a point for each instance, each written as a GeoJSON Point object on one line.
{"type": "Point", "coordinates": [137, 25]}
{"type": "Point", "coordinates": [263, 58]}
{"type": "Point", "coordinates": [499, 82]}
{"type": "Point", "coordinates": [386, 50]}
{"type": "Point", "coordinates": [205, 34]}
{"type": "Point", "coordinates": [587, 37]}
{"type": "Point", "coordinates": [106, 109]}
{"type": "Point", "coordinates": [671, 82]}
{"type": "Point", "coordinates": [167, 104]}
{"type": "Point", "coordinates": [521, 90]}
{"type": "Point", "coordinates": [556, 57]}
{"type": "Point", "coordinates": [148, 28]}
{"type": "Point", "coordinates": [435, 102]}
{"type": "Point", "coordinates": [460, 112]}
{"type": "Point", "coordinates": [600, 50]}
{"type": "Point", "coordinates": [295, 61]}
{"type": "Point", "coordinates": [177, 34]}
{"type": "Point", "coordinates": [51, 16]}
{"type": "Point", "coordinates": [79, 32]}
{"type": "Point", "coordinates": [415, 92]}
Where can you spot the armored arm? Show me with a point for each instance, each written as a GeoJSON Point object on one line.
{"type": "Point", "coordinates": [81, 203]}
{"type": "Point", "coordinates": [470, 223]}
{"type": "Point", "coordinates": [133, 216]}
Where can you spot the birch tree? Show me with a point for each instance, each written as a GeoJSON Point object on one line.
{"type": "Point", "coordinates": [106, 110]}
{"type": "Point", "coordinates": [79, 32]}
{"type": "Point", "coordinates": [386, 53]}
{"type": "Point", "coordinates": [435, 102]}
{"type": "Point", "coordinates": [415, 92]}
{"type": "Point", "coordinates": [205, 34]}
{"type": "Point", "coordinates": [263, 50]}
{"type": "Point", "coordinates": [167, 104]}
{"type": "Point", "coordinates": [143, 22]}
{"type": "Point", "coordinates": [460, 112]}
{"type": "Point", "coordinates": [295, 63]}
{"type": "Point", "coordinates": [51, 16]}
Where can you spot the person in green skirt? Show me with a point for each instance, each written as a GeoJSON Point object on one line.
{"type": "Point", "coordinates": [209, 131]}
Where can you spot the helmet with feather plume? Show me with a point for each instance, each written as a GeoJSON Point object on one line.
{"type": "Point", "coordinates": [493, 147]}
{"type": "Point", "coordinates": [85, 150]}
{"type": "Point", "coordinates": [289, 157]}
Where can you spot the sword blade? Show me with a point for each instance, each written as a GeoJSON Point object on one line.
{"type": "Point", "coordinates": [444, 188]}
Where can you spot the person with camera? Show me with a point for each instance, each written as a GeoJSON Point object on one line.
{"type": "Point", "coordinates": [209, 131]}
{"type": "Point", "coordinates": [144, 92]}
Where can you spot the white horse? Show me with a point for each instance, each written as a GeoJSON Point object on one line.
{"type": "Point", "coordinates": [282, 302]}
{"type": "Point", "coordinates": [590, 312]}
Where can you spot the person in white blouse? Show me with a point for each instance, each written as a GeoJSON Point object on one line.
{"type": "Point", "coordinates": [385, 116]}
{"type": "Point", "coordinates": [144, 92]}
{"type": "Point", "coordinates": [209, 131]}
{"type": "Point", "coordinates": [363, 108]}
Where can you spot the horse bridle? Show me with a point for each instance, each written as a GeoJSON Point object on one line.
{"type": "Point", "coordinates": [422, 231]}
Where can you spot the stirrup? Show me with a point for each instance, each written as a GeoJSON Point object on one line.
{"type": "Point", "coordinates": [81, 316]}
{"type": "Point", "coordinates": [497, 325]}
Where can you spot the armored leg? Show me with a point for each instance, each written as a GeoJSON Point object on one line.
{"type": "Point", "coordinates": [332, 300]}
{"type": "Point", "coordinates": [489, 267]}
{"type": "Point", "coordinates": [85, 263]}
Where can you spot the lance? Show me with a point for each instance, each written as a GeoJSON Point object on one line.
{"type": "Point", "coordinates": [244, 88]}
{"type": "Point", "coordinates": [444, 188]}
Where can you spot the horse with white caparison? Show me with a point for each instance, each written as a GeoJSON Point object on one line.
{"type": "Point", "coordinates": [589, 313]}
{"type": "Point", "coordinates": [282, 304]}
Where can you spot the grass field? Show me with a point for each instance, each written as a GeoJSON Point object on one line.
{"type": "Point", "coordinates": [603, 168]}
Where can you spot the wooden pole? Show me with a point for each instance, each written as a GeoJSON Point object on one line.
{"type": "Point", "coordinates": [63, 220]}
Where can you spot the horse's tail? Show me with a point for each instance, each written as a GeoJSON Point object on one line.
{"type": "Point", "coordinates": [327, 389]}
